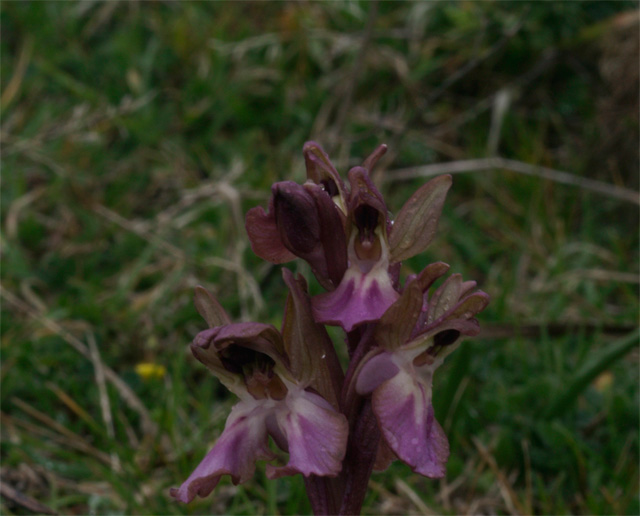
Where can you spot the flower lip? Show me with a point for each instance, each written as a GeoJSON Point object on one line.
{"type": "Point", "coordinates": [265, 385]}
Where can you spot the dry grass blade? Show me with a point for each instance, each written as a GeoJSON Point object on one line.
{"type": "Point", "coordinates": [508, 494]}
{"type": "Point", "coordinates": [129, 397]}
{"type": "Point", "coordinates": [15, 82]}
{"type": "Point", "coordinates": [105, 405]}
{"type": "Point", "coordinates": [476, 165]}
{"type": "Point", "coordinates": [72, 405]}
{"type": "Point", "coordinates": [17, 207]}
{"type": "Point", "coordinates": [23, 500]}
{"type": "Point", "coordinates": [54, 431]}
{"type": "Point", "coordinates": [247, 284]}
{"type": "Point", "coordinates": [405, 489]}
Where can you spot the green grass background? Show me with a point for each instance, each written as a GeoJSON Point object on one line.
{"type": "Point", "coordinates": [135, 135]}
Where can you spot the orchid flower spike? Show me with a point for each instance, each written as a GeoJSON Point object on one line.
{"type": "Point", "coordinates": [337, 426]}
{"type": "Point", "coordinates": [281, 394]}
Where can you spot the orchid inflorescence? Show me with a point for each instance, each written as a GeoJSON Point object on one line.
{"type": "Point", "coordinates": [337, 426]}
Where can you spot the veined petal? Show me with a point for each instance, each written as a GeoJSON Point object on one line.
{"type": "Point", "coordinates": [316, 436]}
{"type": "Point", "coordinates": [405, 414]}
{"type": "Point", "coordinates": [313, 359]}
{"type": "Point", "coordinates": [416, 224]}
{"type": "Point", "coordinates": [321, 171]}
{"type": "Point", "coordinates": [375, 371]}
{"type": "Point", "coordinates": [373, 158]}
{"type": "Point", "coordinates": [242, 443]}
{"type": "Point", "coordinates": [209, 308]}
{"type": "Point", "coordinates": [264, 235]}
{"type": "Point", "coordinates": [360, 297]}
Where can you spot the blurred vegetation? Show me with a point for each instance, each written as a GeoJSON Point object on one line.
{"type": "Point", "coordinates": [136, 134]}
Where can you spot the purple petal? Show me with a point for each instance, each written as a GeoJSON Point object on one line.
{"type": "Point", "coordinates": [375, 372]}
{"type": "Point", "coordinates": [242, 443]}
{"type": "Point", "coordinates": [316, 436]}
{"type": "Point", "coordinates": [373, 158]}
{"type": "Point", "coordinates": [405, 414]}
{"type": "Point", "coordinates": [359, 298]}
{"type": "Point", "coordinates": [264, 236]}
{"type": "Point", "coordinates": [332, 235]}
{"type": "Point", "coordinates": [296, 218]}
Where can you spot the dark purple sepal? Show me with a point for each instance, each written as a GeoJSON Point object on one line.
{"type": "Point", "coordinates": [225, 350]}
{"type": "Point", "coordinates": [374, 157]}
{"type": "Point", "coordinates": [332, 236]}
{"type": "Point", "coordinates": [264, 235]}
{"type": "Point", "coordinates": [321, 171]}
{"type": "Point", "coordinates": [365, 195]}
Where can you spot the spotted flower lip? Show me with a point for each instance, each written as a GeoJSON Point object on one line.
{"type": "Point", "coordinates": [285, 392]}
{"type": "Point", "coordinates": [415, 335]}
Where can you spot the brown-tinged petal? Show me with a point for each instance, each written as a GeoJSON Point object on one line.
{"type": "Point", "coordinates": [469, 306]}
{"type": "Point", "coordinates": [313, 359]}
{"type": "Point", "coordinates": [209, 308]}
{"type": "Point", "coordinates": [368, 219]}
{"type": "Point", "coordinates": [260, 337]}
{"type": "Point", "coordinates": [364, 192]}
{"type": "Point", "coordinates": [373, 158]}
{"type": "Point", "coordinates": [430, 274]}
{"type": "Point", "coordinates": [445, 297]}
{"type": "Point", "coordinates": [321, 171]}
{"type": "Point", "coordinates": [416, 223]}
{"type": "Point", "coordinates": [398, 321]}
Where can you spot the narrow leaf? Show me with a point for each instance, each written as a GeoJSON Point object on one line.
{"type": "Point", "coordinates": [600, 361]}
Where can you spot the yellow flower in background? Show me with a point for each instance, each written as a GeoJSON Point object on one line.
{"type": "Point", "coordinates": [147, 370]}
